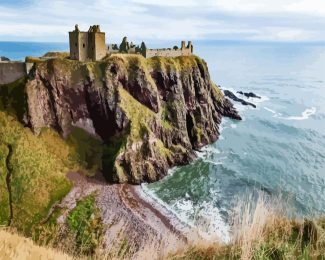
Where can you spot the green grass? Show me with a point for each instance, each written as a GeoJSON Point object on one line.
{"type": "Point", "coordinates": [84, 221]}
{"type": "Point", "coordinates": [13, 98]}
{"type": "Point", "coordinates": [37, 175]}
{"type": "Point", "coordinates": [86, 150]}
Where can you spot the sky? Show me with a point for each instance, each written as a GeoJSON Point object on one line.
{"type": "Point", "coordinates": [168, 20]}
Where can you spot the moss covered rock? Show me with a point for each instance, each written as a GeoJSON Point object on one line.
{"type": "Point", "coordinates": [148, 114]}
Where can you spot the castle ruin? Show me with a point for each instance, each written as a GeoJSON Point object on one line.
{"type": "Point", "coordinates": [87, 46]}
{"type": "Point", "coordinates": [91, 46]}
{"type": "Point", "coordinates": [170, 52]}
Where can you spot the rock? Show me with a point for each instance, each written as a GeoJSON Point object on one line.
{"type": "Point", "coordinates": [151, 114]}
{"type": "Point", "coordinates": [235, 98]}
{"type": "Point", "coordinates": [248, 94]}
{"type": "Point", "coordinates": [2, 58]}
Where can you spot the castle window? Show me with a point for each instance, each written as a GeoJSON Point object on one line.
{"type": "Point", "coordinates": [75, 44]}
{"type": "Point", "coordinates": [84, 45]}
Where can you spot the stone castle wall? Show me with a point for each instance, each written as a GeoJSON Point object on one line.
{"type": "Point", "coordinates": [73, 42]}
{"type": "Point", "coordinates": [167, 53]}
{"type": "Point", "coordinates": [12, 71]}
{"type": "Point", "coordinates": [101, 49]}
{"type": "Point", "coordinates": [87, 45]}
{"type": "Point", "coordinates": [83, 46]}
{"type": "Point", "coordinates": [183, 51]}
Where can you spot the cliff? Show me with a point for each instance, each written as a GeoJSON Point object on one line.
{"type": "Point", "coordinates": [150, 114]}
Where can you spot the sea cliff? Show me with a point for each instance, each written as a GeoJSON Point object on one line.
{"type": "Point", "coordinates": [127, 117]}
{"type": "Point", "coordinates": [151, 114]}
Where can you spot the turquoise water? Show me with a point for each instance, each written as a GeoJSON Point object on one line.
{"type": "Point", "coordinates": [279, 147]}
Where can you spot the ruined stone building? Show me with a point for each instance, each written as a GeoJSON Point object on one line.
{"type": "Point", "coordinates": [91, 46]}
{"type": "Point", "coordinates": [130, 48]}
{"type": "Point", "coordinates": [170, 52]}
{"type": "Point", "coordinates": [87, 46]}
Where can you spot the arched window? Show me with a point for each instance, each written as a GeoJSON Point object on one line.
{"type": "Point", "coordinates": [84, 45]}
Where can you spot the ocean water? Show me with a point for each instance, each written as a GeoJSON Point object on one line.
{"type": "Point", "coordinates": [278, 148]}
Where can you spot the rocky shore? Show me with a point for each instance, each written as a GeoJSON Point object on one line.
{"type": "Point", "coordinates": [126, 213]}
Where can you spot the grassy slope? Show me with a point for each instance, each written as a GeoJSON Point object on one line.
{"type": "Point", "coordinates": [37, 175]}
{"type": "Point", "coordinates": [38, 164]}
{"type": "Point", "coordinates": [13, 246]}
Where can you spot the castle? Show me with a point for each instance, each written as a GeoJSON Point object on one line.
{"type": "Point", "coordinates": [91, 46]}
{"type": "Point", "coordinates": [87, 45]}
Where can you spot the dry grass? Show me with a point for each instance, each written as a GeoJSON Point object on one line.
{"type": "Point", "coordinates": [259, 232]}
{"type": "Point", "coordinates": [13, 246]}
{"type": "Point", "coordinates": [250, 222]}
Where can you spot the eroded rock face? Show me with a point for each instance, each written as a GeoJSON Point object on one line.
{"type": "Point", "coordinates": [151, 114]}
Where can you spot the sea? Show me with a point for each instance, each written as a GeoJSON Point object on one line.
{"type": "Point", "coordinates": [277, 149]}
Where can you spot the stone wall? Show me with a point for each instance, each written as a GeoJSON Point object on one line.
{"type": "Point", "coordinates": [100, 47]}
{"type": "Point", "coordinates": [183, 51]}
{"type": "Point", "coordinates": [74, 41]}
{"type": "Point", "coordinates": [12, 71]}
{"type": "Point", "coordinates": [167, 52]}
{"type": "Point", "coordinates": [83, 46]}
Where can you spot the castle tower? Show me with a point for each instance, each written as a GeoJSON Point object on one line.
{"type": "Point", "coordinates": [183, 46]}
{"type": "Point", "coordinates": [190, 46]}
{"type": "Point", "coordinates": [89, 45]}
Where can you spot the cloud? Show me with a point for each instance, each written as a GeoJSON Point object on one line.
{"type": "Point", "coordinates": [173, 20]}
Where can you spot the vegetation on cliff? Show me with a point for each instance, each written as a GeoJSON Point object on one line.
{"type": "Point", "coordinates": [129, 117]}
{"type": "Point", "coordinates": [33, 171]}
{"type": "Point", "coordinates": [259, 232]}
{"type": "Point", "coordinates": [151, 114]}
{"type": "Point", "coordinates": [32, 177]}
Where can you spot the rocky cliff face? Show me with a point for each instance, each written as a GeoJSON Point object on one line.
{"type": "Point", "coordinates": [150, 114]}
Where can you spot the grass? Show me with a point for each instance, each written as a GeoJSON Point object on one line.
{"type": "Point", "coordinates": [260, 231]}
{"type": "Point", "coordinates": [86, 150]}
{"type": "Point", "coordinates": [12, 98]}
{"type": "Point", "coordinates": [38, 168]}
{"type": "Point", "coordinates": [37, 176]}
{"type": "Point", "coordinates": [13, 246]}
{"type": "Point", "coordinates": [85, 223]}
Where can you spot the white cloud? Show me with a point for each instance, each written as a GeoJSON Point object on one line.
{"type": "Point", "coordinates": [285, 20]}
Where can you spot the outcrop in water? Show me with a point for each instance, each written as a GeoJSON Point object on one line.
{"type": "Point", "coordinates": [248, 94]}
{"type": "Point", "coordinates": [232, 96]}
{"type": "Point", "coordinates": [151, 114]}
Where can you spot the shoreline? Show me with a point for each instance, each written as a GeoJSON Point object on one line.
{"type": "Point", "coordinates": [127, 213]}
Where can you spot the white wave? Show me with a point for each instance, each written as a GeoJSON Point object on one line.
{"type": "Point", "coordinates": [205, 218]}
{"type": "Point", "coordinates": [212, 162]}
{"type": "Point", "coordinates": [233, 126]}
{"type": "Point", "coordinates": [270, 110]}
{"type": "Point", "coordinates": [304, 115]}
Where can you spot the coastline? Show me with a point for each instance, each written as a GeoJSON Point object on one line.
{"type": "Point", "coordinates": [127, 212]}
